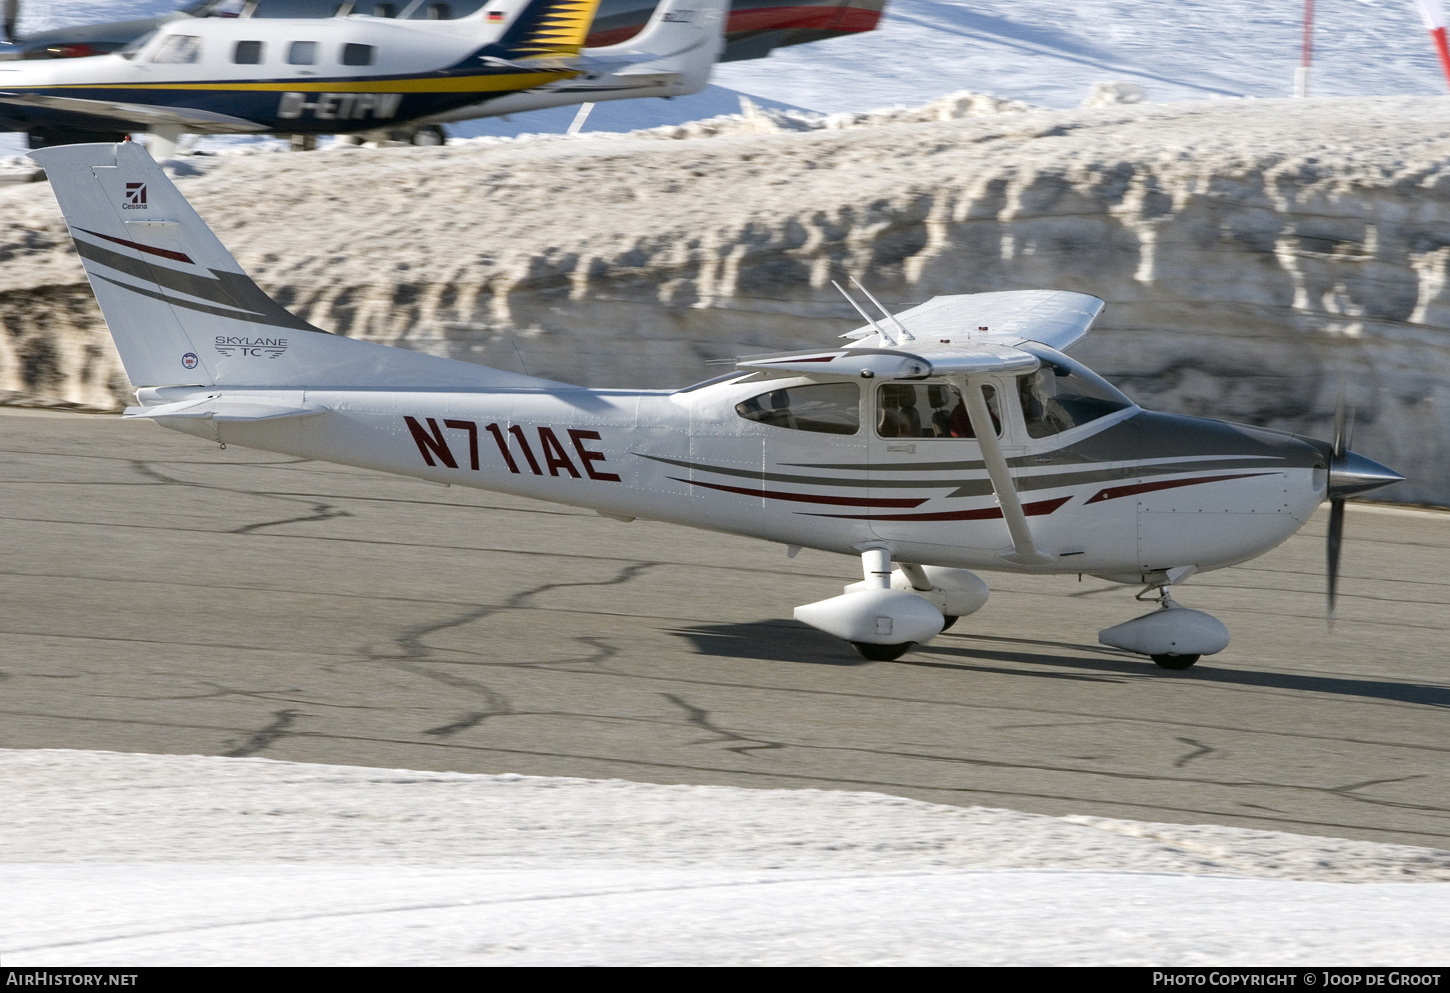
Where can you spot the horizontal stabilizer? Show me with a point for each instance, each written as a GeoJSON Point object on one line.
{"type": "Point", "coordinates": [223, 408]}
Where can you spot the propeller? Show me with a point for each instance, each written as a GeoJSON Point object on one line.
{"type": "Point", "coordinates": [12, 14]}
{"type": "Point", "coordinates": [1350, 474]}
{"type": "Point", "coordinates": [1343, 428]}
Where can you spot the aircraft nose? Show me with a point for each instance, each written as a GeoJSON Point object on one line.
{"type": "Point", "coordinates": [1352, 474]}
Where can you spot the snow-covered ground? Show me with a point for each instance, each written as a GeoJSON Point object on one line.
{"type": "Point", "coordinates": [141, 859]}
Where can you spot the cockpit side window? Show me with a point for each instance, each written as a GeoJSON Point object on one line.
{"type": "Point", "coordinates": [176, 49]}
{"type": "Point", "coordinates": [1062, 395]}
{"type": "Point", "coordinates": [825, 408]}
{"type": "Point", "coordinates": [927, 410]}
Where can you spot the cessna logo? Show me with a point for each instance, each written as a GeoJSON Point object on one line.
{"type": "Point", "coordinates": [257, 348]}
{"type": "Point", "coordinates": [339, 106]}
{"type": "Point", "coordinates": [135, 197]}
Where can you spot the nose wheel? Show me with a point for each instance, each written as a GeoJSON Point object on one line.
{"type": "Point", "coordinates": [1175, 662]}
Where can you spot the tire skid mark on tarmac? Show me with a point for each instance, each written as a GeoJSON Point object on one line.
{"type": "Point", "coordinates": [281, 727]}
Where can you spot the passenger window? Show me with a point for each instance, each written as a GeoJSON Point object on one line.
{"type": "Point", "coordinates": [357, 55]}
{"type": "Point", "coordinates": [438, 12]}
{"type": "Point", "coordinates": [927, 410]}
{"type": "Point", "coordinates": [247, 53]}
{"type": "Point", "coordinates": [827, 408]}
{"type": "Point", "coordinates": [178, 48]}
{"type": "Point", "coordinates": [302, 53]}
{"type": "Point", "coordinates": [384, 10]}
{"type": "Point", "coordinates": [1062, 395]}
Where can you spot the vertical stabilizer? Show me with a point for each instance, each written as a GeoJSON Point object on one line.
{"type": "Point", "coordinates": [683, 38]}
{"type": "Point", "coordinates": [183, 313]}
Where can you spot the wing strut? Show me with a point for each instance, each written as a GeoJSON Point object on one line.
{"type": "Point", "coordinates": [1024, 551]}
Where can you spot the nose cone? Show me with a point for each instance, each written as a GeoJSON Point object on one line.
{"type": "Point", "coordinates": [1352, 474]}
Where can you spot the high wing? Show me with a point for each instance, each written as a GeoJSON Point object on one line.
{"type": "Point", "coordinates": [1055, 318]}
{"type": "Point", "coordinates": [135, 113]}
{"type": "Point", "coordinates": [907, 362]}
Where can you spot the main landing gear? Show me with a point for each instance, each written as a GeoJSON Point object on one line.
{"type": "Point", "coordinates": [892, 610]}
{"type": "Point", "coordinates": [1174, 637]}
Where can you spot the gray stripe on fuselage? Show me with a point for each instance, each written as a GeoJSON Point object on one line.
{"type": "Point", "coordinates": [780, 477]}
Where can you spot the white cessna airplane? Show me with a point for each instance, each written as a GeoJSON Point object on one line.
{"type": "Point", "coordinates": [953, 436]}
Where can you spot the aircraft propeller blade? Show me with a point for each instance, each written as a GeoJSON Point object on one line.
{"type": "Point", "coordinates": [12, 14]}
{"type": "Point", "coordinates": [1336, 535]}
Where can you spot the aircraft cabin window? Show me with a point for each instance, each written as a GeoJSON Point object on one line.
{"type": "Point", "coordinates": [178, 48]}
{"type": "Point", "coordinates": [384, 10]}
{"type": "Point", "coordinates": [302, 53]}
{"type": "Point", "coordinates": [826, 408]}
{"type": "Point", "coordinates": [247, 53]}
{"type": "Point", "coordinates": [1063, 395]}
{"type": "Point", "coordinates": [438, 12]}
{"type": "Point", "coordinates": [927, 410]}
{"type": "Point", "coordinates": [358, 55]}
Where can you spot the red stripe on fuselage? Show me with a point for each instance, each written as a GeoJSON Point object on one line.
{"type": "Point", "coordinates": [809, 497]}
{"type": "Point", "coordinates": [165, 253]}
{"type": "Point", "coordinates": [843, 19]}
{"type": "Point", "coordinates": [1114, 492]}
{"type": "Point", "coordinates": [1037, 509]}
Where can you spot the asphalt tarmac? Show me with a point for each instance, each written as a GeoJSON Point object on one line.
{"type": "Point", "coordinates": [162, 595]}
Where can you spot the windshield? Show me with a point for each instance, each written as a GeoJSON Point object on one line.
{"type": "Point", "coordinates": [1064, 394]}
{"type": "Point", "coordinates": [137, 44]}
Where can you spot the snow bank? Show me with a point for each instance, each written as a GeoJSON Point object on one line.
{"type": "Point", "coordinates": [1252, 252]}
{"type": "Point", "coordinates": [144, 859]}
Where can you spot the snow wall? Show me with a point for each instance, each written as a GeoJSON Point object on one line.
{"type": "Point", "coordinates": [1254, 254]}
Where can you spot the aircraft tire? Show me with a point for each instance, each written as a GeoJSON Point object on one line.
{"type": "Point", "coordinates": [948, 620]}
{"type": "Point", "coordinates": [1175, 662]}
{"type": "Point", "coordinates": [882, 653]}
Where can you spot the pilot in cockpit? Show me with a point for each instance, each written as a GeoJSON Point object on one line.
{"type": "Point", "coordinates": [1040, 409]}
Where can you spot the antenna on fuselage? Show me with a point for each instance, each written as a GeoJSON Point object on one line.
{"type": "Point", "coordinates": [889, 315]}
{"type": "Point", "coordinates": [869, 319]}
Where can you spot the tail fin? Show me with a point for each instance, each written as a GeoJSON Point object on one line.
{"type": "Point", "coordinates": [683, 39]}
{"type": "Point", "coordinates": [183, 313]}
{"type": "Point", "coordinates": [548, 29]}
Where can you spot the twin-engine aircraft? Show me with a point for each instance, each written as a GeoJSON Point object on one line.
{"type": "Point", "coordinates": [955, 435]}
{"type": "Point", "coordinates": [350, 74]}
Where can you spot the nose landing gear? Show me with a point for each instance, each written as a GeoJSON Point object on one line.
{"type": "Point", "coordinates": [1174, 637]}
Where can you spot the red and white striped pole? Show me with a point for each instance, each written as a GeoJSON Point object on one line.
{"type": "Point", "coordinates": [1434, 17]}
{"type": "Point", "coordinates": [1306, 52]}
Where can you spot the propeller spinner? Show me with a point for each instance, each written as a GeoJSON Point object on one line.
{"type": "Point", "coordinates": [1350, 474]}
